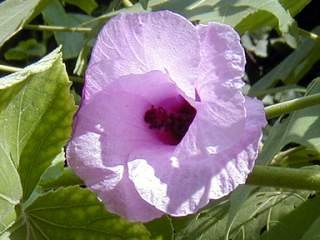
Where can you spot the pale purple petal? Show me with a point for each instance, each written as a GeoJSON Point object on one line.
{"type": "Point", "coordinates": [218, 125]}
{"type": "Point", "coordinates": [110, 183]}
{"type": "Point", "coordinates": [236, 163]}
{"type": "Point", "coordinates": [222, 59]}
{"type": "Point", "coordinates": [182, 185]}
{"type": "Point", "coordinates": [108, 128]}
{"type": "Point", "coordinates": [125, 201]}
{"type": "Point", "coordinates": [175, 186]}
{"type": "Point", "coordinates": [163, 126]}
{"type": "Point", "coordinates": [139, 43]}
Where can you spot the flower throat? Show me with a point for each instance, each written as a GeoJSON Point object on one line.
{"type": "Point", "coordinates": [170, 126]}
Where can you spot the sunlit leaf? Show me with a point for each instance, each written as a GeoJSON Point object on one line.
{"type": "Point", "coordinates": [245, 15]}
{"type": "Point", "coordinates": [258, 214]}
{"type": "Point", "coordinates": [210, 224]}
{"type": "Point", "coordinates": [294, 225]}
{"type": "Point", "coordinates": [36, 121]}
{"type": "Point", "coordinates": [25, 50]}
{"type": "Point", "coordinates": [13, 14]}
{"type": "Point", "coordinates": [74, 213]}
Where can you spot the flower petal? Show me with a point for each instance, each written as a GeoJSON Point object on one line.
{"type": "Point", "coordinates": [172, 185]}
{"type": "Point", "coordinates": [140, 43]}
{"type": "Point", "coordinates": [107, 129]}
{"type": "Point", "coordinates": [144, 67]}
{"type": "Point", "coordinates": [218, 125]}
{"type": "Point", "coordinates": [236, 163]}
{"type": "Point", "coordinates": [126, 202]}
{"type": "Point", "coordinates": [181, 185]}
{"type": "Point", "coordinates": [116, 114]}
{"type": "Point", "coordinates": [222, 59]}
{"type": "Point", "coordinates": [110, 183]}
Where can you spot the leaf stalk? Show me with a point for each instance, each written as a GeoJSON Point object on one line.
{"type": "Point", "coordinates": [293, 178]}
{"type": "Point", "coordinates": [292, 105]}
{"type": "Point", "coordinates": [6, 68]}
{"type": "Point", "coordinates": [56, 28]}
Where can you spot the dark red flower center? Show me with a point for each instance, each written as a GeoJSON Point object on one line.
{"type": "Point", "coordinates": [170, 126]}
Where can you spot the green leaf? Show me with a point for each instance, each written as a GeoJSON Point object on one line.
{"type": "Point", "coordinates": [210, 223]}
{"type": "Point", "coordinates": [144, 4]}
{"type": "Point", "coordinates": [26, 49]}
{"type": "Point", "coordinates": [263, 209]}
{"type": "Point", "coordinates": [257, 214]}
{"type": "Point", "coordinates": [57, 175]}
{"type": "Point", "coordinates": [301, 127]}
{"type": "Point", "coordinates": [244, 15]}
{"type": "Point", "coordinates": [304, 125]}
{"type": "Point", "coordinates": [54, 14]}
{"type": "Point", "coordinates": [36, 121]}
{"type": "Point", "coordinates": [294, 7]}
{"type": "Point", "coordinates": [10, 187]}
{"type": "Point", "coordinates": [74, 213]}
{"type": "Point", "coordinates": [294, 225]}
{"type": "Point", "coordinates": [10, 192]}
{"type": "Point", "coordinates": [86, 5]}
{"type": "Point", "coordinates": [82, 59]}
{"type": "Point", "coordinates": [237, 199]}
{"type": "Point", "coordinates": [160, 229]}
{"type": "Point", "coordinates": [297, 157]}
{"type": "Point", "coordinates": [13, 14]}
{"type": "Point", "coordinates": [256, 42]}
{"type": "Point", "coordinates": [292, 69]}
{"type": "Point", "coordinates": [55, 169]}
{"type": "Point", "coordinates": [22, 96]}
{"type": "Point", "coordinates": [313, 232]}
{"type": "Point", "coordinates": [280, 92]}
{"type": "Point", "coordinates": [239, 14]}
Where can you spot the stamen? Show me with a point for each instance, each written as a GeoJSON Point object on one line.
{"type": "Point", "coordinates": [156, 117]}
{"type": "Point", "coordinates": [171, 126]}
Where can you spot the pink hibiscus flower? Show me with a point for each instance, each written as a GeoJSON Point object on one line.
{"type": "Point", "coordinates": [163, 126]}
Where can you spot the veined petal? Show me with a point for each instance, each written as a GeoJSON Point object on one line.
{"type": "Point", "coordinates": [175, 186]}
{"type": "Point", "coordinates": [108, 128]}
{"type": "Point", "coordinates": [140, 43]}
{"type": "Point", "coordinates": [163, 126]}
{"type": "Point", "coordinates": [237, 162]}
{"type": "Point", "coordinates": [182, 185]}
{"type": "Point", "coordinates": [125, 201]}
{"type": "Point", "coordinates": [217, 126]}
{"type": "Point", "coordinates": [222, 59]}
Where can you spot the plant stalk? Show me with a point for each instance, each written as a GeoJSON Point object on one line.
{"type": "Point", "coordinates": [292, 105]}
{"type": "Point", "coordinates": [311, 35]}
{"type": "Point", "coordinates": [5, 68]}
{"type": "Point", "coordinates": [127, 3]}
{"type": "Point", "coordinates": [307, 179]}
{"type": "Point", "coordinates": [56, 28]}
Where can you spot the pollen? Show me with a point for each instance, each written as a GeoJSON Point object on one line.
{"type": "Point", "coordinates": [171, 126]}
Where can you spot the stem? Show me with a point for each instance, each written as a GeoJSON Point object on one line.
{"type": "Point", "coordinates": [311, 35]}
{"type": "Point", "coordinates": [292, 105]}
{"type": "Point", "coordinates": [56, 28]}
{"type": "Point", "coordinates": [307, 179]}
{"type": "Point", "coordinates": [127, 3]}
{"type": "Point", "coordinates": [5, 68]}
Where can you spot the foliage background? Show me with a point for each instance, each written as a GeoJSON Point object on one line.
{"type": "Point", "coordinates": [40, 198]}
